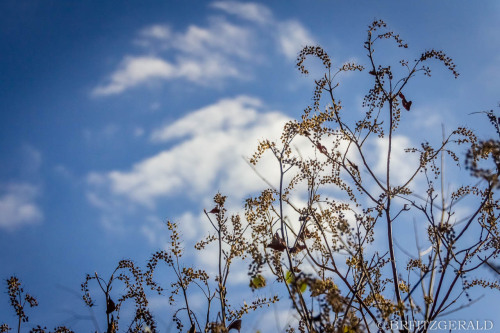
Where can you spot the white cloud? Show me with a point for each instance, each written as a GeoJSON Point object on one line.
{"type": "Point", "coordinates": [207, 55]}
{"type": "Point", "coordinates": [18, 206]}
{"type": "Point", "coordinates": [249, 11]}
{"type": "Point", "coordinates": [199, 54]}
{"type": "Point", "coordinates": [220, 37]}
{"type": "Point", "coordinates": [207, 70]}
{"type": "Point", "coordinates": [292, 37]}
{"type": "Point", "coordinates": [208, 157]}
{"type": "Point", "coordinates": [225, 114]}
{"type": "Point", "coordinates": [134, 71]}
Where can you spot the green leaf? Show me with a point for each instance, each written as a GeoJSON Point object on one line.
{"type": "Point", "coordinates": [258, 282]}
{"type": "Point", "coordinates": [288, 277]}
{"type": "Point", "coordinates": [303, 287]}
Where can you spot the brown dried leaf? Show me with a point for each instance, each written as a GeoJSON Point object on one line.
{"type": "Point", "coordinates": [297, 248]}
{"type": "Point", "coordinates": [277, 244]}
{"type": "Point", "coordinates": [322, 148]}
{"type": "Point", "coordinates": [235, 324]}
{"type": "Point", "coordinates": [110, 306]}
{"type": "Point", "coordinates": [406, 104]}
{"type": "Point", "coordinates": [215, 210]}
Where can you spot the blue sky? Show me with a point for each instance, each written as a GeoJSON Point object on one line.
{"type": "Point", "coordinates": [118, 116]}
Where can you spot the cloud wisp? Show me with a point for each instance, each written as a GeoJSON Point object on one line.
{"type": "Point", "coordinates": [134, 71]}
{"type": "Point", "coordinates": [18, 206]}
{"type": "Point", "coordinates": [225, 49]}
{"type": "Point", "coordinates": [249, 11]}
